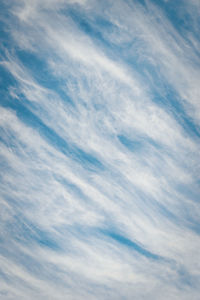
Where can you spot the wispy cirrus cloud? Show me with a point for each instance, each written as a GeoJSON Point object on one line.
{"type": "Point", "coordinates": [99, 151]}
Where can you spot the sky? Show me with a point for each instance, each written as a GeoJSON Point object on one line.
{"type": "Point", "coordinates": [99, 150]}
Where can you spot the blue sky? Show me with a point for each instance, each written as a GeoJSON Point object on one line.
{"type": "Point", "coordinates": [99, 149]}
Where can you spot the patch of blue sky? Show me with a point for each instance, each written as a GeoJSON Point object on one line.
{"type": "Point", "coordinates": [164, 95]}
{"type": "Point", "coordinates": [132, 145]}
{"type": "Point", "coordinates": [122, 240]}
{"type": "Point", "coordinates": [95, 27]}
{"type": "Point", "coordinates": [24, 232]}
{"type": "Point", "coordinates": [180, 16]}
{"type": "Point", "coordinates": [39, 67]}
{"type": "Point", "coordinates": [4, 15]}
{"type": "Point", "coordinates": [87, 160]}
{"type": "Point", "coordinates": [191, 191]}
{"type": "Point", "coordinates": [89, 27]}
{"type": "Point", "coordinates": [140, 144]}
{"type": "Point", "coordinates": [6, 80]}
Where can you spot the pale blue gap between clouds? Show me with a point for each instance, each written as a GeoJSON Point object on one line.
{"type": "Point", "coordinates": [99, 150]}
